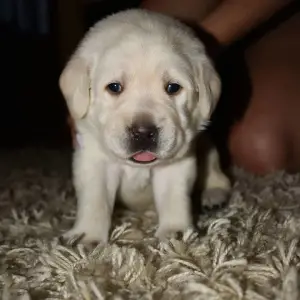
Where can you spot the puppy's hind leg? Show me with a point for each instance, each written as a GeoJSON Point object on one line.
{"type": "Point", "coordinates": [216, 184]}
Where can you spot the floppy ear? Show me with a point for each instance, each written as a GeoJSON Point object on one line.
{"type": "Point", "coordinates": [74, 83]}
{"type": "Point", "coordinates": [208, 87]}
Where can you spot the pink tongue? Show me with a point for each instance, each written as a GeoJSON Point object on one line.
{"type": "Point", "coordinates": [144, 156]}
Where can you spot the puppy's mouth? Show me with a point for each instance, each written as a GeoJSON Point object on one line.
{"type": "Point", "coordinates": [143, 157]}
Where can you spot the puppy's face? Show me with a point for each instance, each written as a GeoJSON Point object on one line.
{"type": "Point", "coordinates": [144, 98]}
{"type": "Point", "coordinates": [149, 95]}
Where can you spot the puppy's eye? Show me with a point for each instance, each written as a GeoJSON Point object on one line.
{"type": "Point", "coordinates": [114, 88]}
{"type": "Point", "coordinates": [172, 88]}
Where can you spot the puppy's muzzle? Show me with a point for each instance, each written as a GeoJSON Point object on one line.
{"type": "Point", "coordinates": [143, 136]}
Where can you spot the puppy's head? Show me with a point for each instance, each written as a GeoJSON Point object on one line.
{"type": "Point", "coordinates": [141, 84]}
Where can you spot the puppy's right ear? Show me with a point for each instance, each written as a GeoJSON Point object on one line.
{"type": "Point", "coordinates": [74, 83]}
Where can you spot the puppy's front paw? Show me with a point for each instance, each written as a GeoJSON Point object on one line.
{"type": "Point", "coordinates": [85, 235]}
{"type": "Point", "coordinates": [165, 232]}
{"type": "Point", "coordinates": [214, 197]}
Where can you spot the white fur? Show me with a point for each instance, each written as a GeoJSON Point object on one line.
{"type": "Point", "coordinates": [143, 51]}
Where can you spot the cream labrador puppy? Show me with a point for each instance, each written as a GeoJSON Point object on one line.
{"type": "Point", "coordinates": [140, 87]}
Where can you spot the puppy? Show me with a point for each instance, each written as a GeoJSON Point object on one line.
{"type": "Point", "coordinates": [140, 87]}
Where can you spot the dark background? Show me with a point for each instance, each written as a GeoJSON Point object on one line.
{"type": "Point", "coordinates": [36, 39]}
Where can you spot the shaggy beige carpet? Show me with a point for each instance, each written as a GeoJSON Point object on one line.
{"type": "Point", "coordinates": [247, 250]}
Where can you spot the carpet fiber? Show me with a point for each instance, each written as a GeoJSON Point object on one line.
{"type": "Point", "coordinates": [247, 250]}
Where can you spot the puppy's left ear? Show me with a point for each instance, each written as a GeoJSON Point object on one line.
{"type": "Point", "coordinates": [208, 85]}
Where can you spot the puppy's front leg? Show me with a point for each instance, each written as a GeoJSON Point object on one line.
{"type": "Point", "coordinates": [96, 185]}
{"type": "Point", "coordinates": [172, 187]}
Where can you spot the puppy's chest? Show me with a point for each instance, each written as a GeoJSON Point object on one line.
{"type": "Point", "coordinates": [136, 188]}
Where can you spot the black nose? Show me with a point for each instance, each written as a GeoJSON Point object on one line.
{"type": "Point", "coordinates": [143, 131]}
{"type": "Point", "coordinates": [143, 136]}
